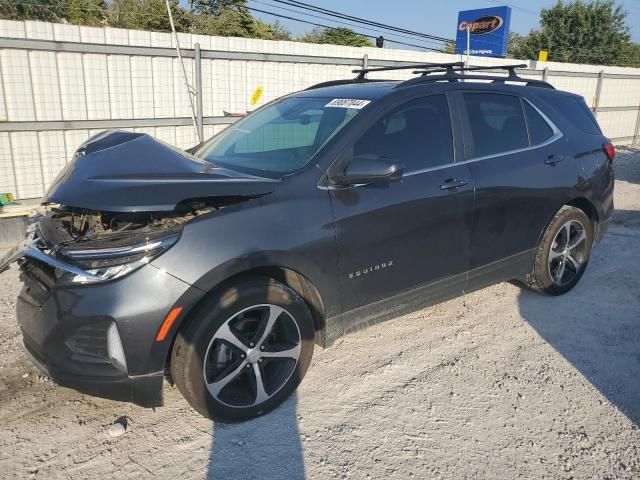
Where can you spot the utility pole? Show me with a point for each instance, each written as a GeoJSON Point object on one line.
{"type": "Point", "coordinates": [468, 43]}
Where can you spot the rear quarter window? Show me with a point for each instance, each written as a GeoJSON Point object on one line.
{"type": "Point", "coordinates": [539, 129]}
{"type": "Point", "coordinates": [575, 110]}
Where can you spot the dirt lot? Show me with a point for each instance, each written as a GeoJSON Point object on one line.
{"type": "Point", "coordinates": [501, 383]}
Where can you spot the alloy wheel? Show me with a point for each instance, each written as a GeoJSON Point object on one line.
{"type": "Point", "coordinates": [252, 356]}
{"type": "Point", "coordinates": [568, 253]}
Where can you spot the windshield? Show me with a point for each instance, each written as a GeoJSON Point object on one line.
{"type": "Point", "coordinates": [282, 137]}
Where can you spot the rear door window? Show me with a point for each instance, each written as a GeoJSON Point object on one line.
{"type": "Point", "coordinates": [497, 123]}
{"type": "Point", "coordinates": [539, 129]}
{"type": "Point", "coordinates": [416, 133]}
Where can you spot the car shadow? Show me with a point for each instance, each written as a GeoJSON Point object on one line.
{"type": "Point", "coordinates": [267, 447]}
{"type": "Point", "coordinates": [626, 218]}
{"type": "Point", "coordinates": [625, 164]}
{"type": "Point", "coordinates": [596, 326]}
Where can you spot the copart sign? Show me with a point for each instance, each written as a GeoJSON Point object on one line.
{"type": "Point", "coordinates": [488, 31]}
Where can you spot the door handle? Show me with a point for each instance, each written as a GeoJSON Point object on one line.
{"type": "Point", "coordinates": [453, 183]}
{"type": "Point", "coordinates": [553, 159]}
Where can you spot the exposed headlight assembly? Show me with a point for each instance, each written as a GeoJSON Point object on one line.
{"type": "Point", "coordinates": [111, 262]}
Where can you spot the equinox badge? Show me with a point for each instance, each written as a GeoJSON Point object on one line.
{"type": "Point", "coordinates": [370, 269]}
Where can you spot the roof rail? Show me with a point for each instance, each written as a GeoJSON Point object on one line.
{"type": "Point", "coordinates": [450, 71]}
{"type": "Point", "coordinates": [362, 73]}
{"type": "Point", "coordinates": [332, 83]}
{"type": "Point", "coordinates": [457, 73]}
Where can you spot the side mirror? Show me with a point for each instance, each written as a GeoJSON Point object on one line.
{"type": "Point", "coordinates": [369, 169]}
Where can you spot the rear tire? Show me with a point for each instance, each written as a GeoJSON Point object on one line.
{"type": "Point", "coordinates": [245, 350]}
{"type": "Point", "coordinates": [563, 253]}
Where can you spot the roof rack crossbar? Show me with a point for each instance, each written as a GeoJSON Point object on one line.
{"type": "Point", "coordinates": [510, 68]}
{"type": "Point", "coordinates": [362, 72]}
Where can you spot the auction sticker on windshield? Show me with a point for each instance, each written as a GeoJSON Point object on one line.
{"type": "Point", "coordinates": [348, 103]}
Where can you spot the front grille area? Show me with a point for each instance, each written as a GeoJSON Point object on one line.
{"type": "Point", "coordinates": [88, 342]}
{"type": "Point", "coordinates": [39, 271]}
{"type": "Point", "coordinates": [38, 278]}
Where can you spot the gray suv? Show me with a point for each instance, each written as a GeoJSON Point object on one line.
{"type": "Point", "coordinates": [324, 211]}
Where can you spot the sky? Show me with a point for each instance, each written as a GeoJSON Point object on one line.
{"type": "Point", "coordinates": [426, 16]}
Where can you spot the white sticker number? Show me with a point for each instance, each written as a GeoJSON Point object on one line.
{"type": "Point", "coordinates": [348, 103]}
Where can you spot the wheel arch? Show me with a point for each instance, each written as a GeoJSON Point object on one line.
{"type": "Point", "coordinates": [587, 207]}
{"type": "Point", "coordinates": [297, 282]}
{"type": "Point", "coordinates": [293, 279]}
{"type": "Point", "coordinates": [581, 203]}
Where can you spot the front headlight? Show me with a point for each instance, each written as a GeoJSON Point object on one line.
{"type": "Point", "coordinates": [111, 262]}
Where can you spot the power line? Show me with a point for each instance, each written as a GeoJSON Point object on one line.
{"type": "Point", "coordinates": [532, 12]}
{"type": "Point", "coordinates": [343, 23]}
{"type": "Point", "coordinates": [333, 13]}
{"type": "Point", "coordinates": [329, 26]}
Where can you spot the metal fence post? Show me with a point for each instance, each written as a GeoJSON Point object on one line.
{"type": "Point", "coordinates": [545, 74]}
{"type": "Point", "coordinates": [596, 99]}
{"type": "Point", "coordinates": [636, 134]}
{"type": "Point", "coordinates": [365, 61]}
{"type": "Point", "coordinates": [199, 112]}
{"type": "Point", "coordinates": [35, 113]}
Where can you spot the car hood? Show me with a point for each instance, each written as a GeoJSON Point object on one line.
{"type": "Point", "coordinates": [132, 172]}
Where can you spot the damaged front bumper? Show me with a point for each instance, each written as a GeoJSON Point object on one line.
{"type": "Point", "coordinates": [31, 250]}
{"type": "Point", "coordinates": [98, 337]}
{"type": "Point", "coordinates": [143, 390]}
{"type": "Point", "coordinates": [33, 247]}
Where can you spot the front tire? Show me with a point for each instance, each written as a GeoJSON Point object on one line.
{"type": "Point", "coordinates": [245, 350]}
{"type": "Point", "coordinates": [563, 252]}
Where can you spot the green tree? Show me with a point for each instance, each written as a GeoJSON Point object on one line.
{"type": "Point", "coordinates": [312, 36]}
{"type": "Point", "coordinates": [516, 45]}
{"type": "Point", "coordinates": [43, 10]}
{"type": "Point", "coordinates": [449, 46]}
{"type": "Point", "coordinates": [214, 7]}
{"type": "Point", "coordinates": [86, 12]}
{"type": "Point", "coordinates": [336, 36]}
{"type": "Point", "coordinates": [123, 13]}
{"type": "Point", "coordinates": [263, 30]}
{"type": "Point", "coordinates": [236, 21]}
{"type": "Point", "coordinates": [579, 32]}
{"type": "Point", "coordinates": [276, 31]}
{"type": "Point", "coordinates": [633, 53]}
{"type": "Point", "coordinates": [148, 15]}
{"type": "Point", "coordinates": [229, 22]}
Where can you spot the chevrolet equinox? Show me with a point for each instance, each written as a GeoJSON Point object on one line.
{"type": "Point", "coordinates": [353, 201]}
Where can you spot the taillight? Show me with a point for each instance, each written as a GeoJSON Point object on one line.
{"type": "Point", "coordinates": [609, 150]}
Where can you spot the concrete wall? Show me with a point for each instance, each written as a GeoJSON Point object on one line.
{"type": "Point", "coordinates": [51, 84]}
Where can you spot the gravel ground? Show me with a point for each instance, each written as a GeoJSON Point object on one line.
{"type": "Point", "coordinates": [501, 383]}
